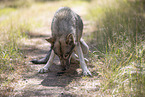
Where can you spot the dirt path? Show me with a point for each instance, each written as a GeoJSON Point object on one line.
{"type": "Point", "coordinates": [70, 84]}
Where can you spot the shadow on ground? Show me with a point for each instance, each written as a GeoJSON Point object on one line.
{"type": "Point", "coordinates": [51, 85]}
{"type": "Point", "coordinates": [53, 79]}
{"type": "Point", "coordinates": [48, 84]}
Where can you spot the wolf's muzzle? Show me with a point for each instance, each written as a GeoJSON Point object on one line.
{"type": "Point", "coordinates": [65, 63]}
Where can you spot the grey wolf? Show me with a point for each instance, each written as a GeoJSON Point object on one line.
{"type": "Point", "coordinates": [66, 41]}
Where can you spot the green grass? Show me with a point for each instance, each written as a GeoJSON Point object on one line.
{"type": "Point", "coordinates": [15, 3]}
{"type": "Point", "coordinates": [6, 11]}
{"type": "Point", "coordinates": [13, 27]}
{"type": "Point", "coordinates": [12, 30]}
{"type": "Point", "coordinates": [119, 38]}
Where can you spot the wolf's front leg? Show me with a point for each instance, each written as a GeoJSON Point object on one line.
{"type": "Point", "coordinates": [48, 64]}
{"type": "Point", "coordinates": [82, 61]}
{"type": "Point", "coordinates": [75, 58]}
{"type": "Point", "coordinates": [43, 60]}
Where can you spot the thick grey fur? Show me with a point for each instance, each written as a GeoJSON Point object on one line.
{"type": "Point", "coordinates": [66, 21]}
{"type": "Point", "coordinates": [74, 25]}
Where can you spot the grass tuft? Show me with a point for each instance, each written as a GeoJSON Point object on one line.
{"type": "Point", "coordinates": [13, 27]}
{"type": "Point", "coordinates": [119, 42]}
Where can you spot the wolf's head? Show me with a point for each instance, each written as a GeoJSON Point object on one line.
{"type": "Point", "coordinates": [63, 47]}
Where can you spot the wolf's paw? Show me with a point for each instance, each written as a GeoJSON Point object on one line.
{"type": "Point", "coordinates": [43, 70]}
{"type": "Point", "coordinates": [86, 72]}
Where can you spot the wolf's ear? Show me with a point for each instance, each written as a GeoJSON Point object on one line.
{"type": "Point", "coordinates": [50, 40]}
{"type": "Point", "coordinates": [70, 39]}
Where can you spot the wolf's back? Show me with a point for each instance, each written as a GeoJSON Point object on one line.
{"type": "Point", "coordinates": [66, 21]}
{"type": "Point", "coordinates": [63, 13]}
